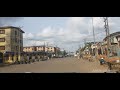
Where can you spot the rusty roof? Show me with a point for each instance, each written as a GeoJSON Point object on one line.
{"type": "Point", "coordinates": [113, 34]}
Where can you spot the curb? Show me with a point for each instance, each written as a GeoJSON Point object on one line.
{"type": "Point", "coordinates": [3, 65]}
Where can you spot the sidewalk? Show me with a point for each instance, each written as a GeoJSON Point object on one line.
{"type": "Point", "coordinates": [3, 65]}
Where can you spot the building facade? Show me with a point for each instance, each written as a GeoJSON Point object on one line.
{"type": "Point", "coordinates": [11, 42]}
{"type": "Point", "coordinates": [40, 48]}
{"type": "Point", "coordinates": [29, 49]}
{"type": "Point", "coordinates": [114, 43]}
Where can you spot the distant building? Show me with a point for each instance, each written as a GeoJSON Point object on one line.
{"type": "Point", "coordinates": [49, 49]}
{"type": "Point", "coordinates": [29, 49]}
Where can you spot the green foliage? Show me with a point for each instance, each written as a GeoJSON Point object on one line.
{"type": "Point", "coordinates": [62, 52]}
{"type": "Point", "coordinates": [86, 45]}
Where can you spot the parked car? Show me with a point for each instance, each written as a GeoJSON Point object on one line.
{"type": "Point", "coordinates": [60, 56]}
{"type": "Point", "coordinates": [75, 55]}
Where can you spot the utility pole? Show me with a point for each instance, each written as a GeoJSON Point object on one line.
{"type": "Point", "coordinates": [94, 37]}
{"type": "Point", "coordinates": [55, 46]}
{"type": "Point", "coordinates": [79, 49]}
{"type": "Point", "coordinates": [44, 51]}
{"type": "Point", "coordinates": [107, 35]}
{"type": "Point", "coordinates": [93, 30]}
{"type": "Point", "coordinates": [85, 41]}
{"type": "Point", "coordinates": [47, 49]}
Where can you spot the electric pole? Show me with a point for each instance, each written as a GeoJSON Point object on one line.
{"type": "Point", "coordinates": [94, 37]}
{"type": "Point", "coordinates": [47, 49]}
{"type": "Point", "coordinates": [79, 49]}
{"type": "Point", "coordinates": [85, 41]}
{"type": "Point", "coordinates": [93, 31]}
{"type": "Point", "coordinates": [44, 51]}
{"type": "Point", "coordinates": [107, 35]}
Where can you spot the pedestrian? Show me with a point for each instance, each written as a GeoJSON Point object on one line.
{"type": "Point", "coordinates": [28, 60]}
{"type": "Point", "coordinates": [81, 56]}
{"type": "Point", "coordinates": [102, 61]}
{"type": "Point", "coordinates": [78, 56]}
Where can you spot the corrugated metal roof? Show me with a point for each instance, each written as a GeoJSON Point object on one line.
{"type": "Point", "coordinates": [113, 34]}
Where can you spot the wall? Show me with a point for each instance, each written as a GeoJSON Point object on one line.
{"type": "Point", "coordinates": [7, 42]}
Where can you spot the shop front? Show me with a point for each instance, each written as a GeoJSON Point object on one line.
{"type": "Point", "coordinates": [1, 57]}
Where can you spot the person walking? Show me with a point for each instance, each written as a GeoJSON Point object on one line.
{"type": "Point", "coordinates": [81, 56]}
{"type": "Point", "coordinates": [78, 55]}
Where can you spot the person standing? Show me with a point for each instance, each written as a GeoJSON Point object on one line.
{"type": "Point", "coordinates": [78, 56]}
{"type": "Point", "coordinates": [81, 56]}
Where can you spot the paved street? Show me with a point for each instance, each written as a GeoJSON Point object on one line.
{"type": "Point", "coordinates": [61, 65]}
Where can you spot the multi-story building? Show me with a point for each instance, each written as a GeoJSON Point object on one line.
{"type": "Point", "coordinates": [114, 38]}
{"type": "Point", "coordinates": [29, 49]}
{"type": "Point", "coordinates": [51, 49]}
{"type": "Point", "coordinates": [33, 48]}
{"type": "Point", "coordinates": [11, 42]}
{"type": "Point", "coordinates": [39, 48]}
{"type": "Point", "coordinates": [114, 42]}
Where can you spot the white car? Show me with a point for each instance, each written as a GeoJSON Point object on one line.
{"type": "Point", "coordinates": [75, 55]}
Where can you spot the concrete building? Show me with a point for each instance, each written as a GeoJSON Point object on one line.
{"type": "Point", "coordinates": [114, 42]}
{"type": "Point", "coordinates": [11, 42]}
{"type": "Point", "coordinates": [40, 52]}
{"type": "Point", "coordinates": [29, 49]}
{"type": "Point", "coordinates": [51, 49]}
{"type": "Point", "coordinates": [40, 48]}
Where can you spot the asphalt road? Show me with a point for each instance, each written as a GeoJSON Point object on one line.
{"type": "Point", "coordinates": [60, 65]}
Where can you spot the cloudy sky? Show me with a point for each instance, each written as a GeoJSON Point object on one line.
{"type": "Point", "coordinates": [65, 32]}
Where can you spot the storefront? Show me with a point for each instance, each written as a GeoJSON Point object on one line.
{"type": "Point", "coordinates": [1, 57]}
{"type": "Point", "coordinates": [9, 57]}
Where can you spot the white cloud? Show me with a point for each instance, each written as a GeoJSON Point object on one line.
{"type": "Point", "coordinates": [77, 25]}
{"type": "Point", "coordinates": [28, 35]}
{"type": "Point", "coordinates": [77, 28]}
{"type": "Point", "coordinates": [75, 31]}
{"type": "Point", "coordinates": [47, 32]}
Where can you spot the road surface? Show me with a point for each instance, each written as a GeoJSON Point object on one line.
{"type": "Point", "coordinates": [58, 65]}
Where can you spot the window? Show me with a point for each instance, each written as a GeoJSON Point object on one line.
{"type": "Point", "coordinates": [21, 49]}
{"type": "Point", "coordinates": [16, 40]}
{"type": "Point", "coordinates": [2, 39]}
{"type": "Point", "coordinates": [2, 47]}
{"type": "Point", "coordinates": [16, 47]}
{"type": "Point", "coordinates": [15, 32]}
{"type": "Point", "coordinates": [2, 31]}
{"type": "Point", "coordinates": [112, 39]}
